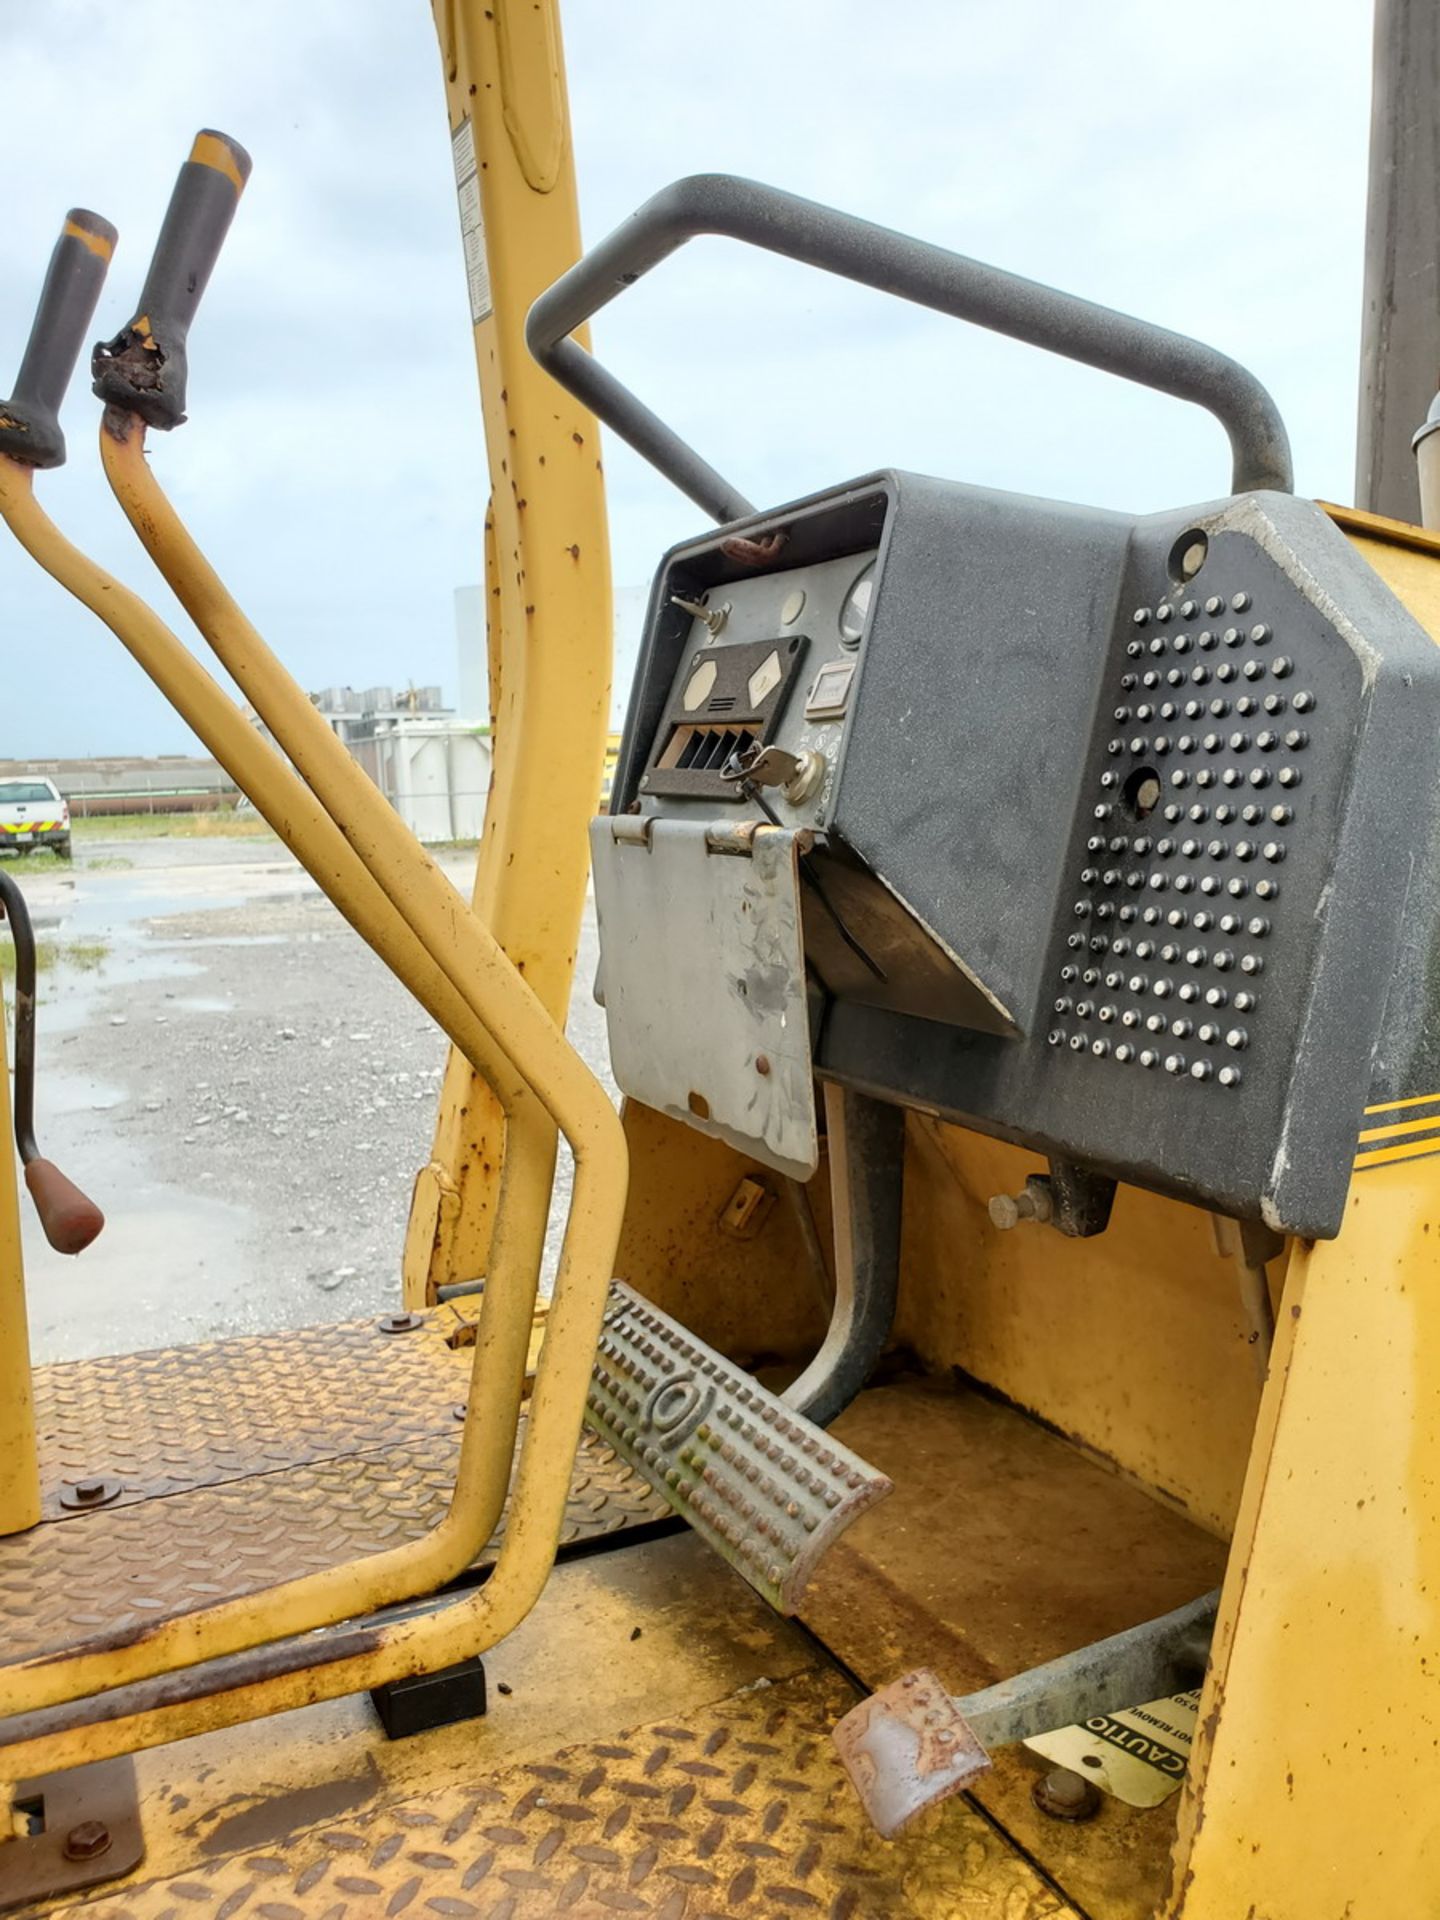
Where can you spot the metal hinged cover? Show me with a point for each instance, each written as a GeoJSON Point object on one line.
{"type": "Point", "coordinates": [702, 976]}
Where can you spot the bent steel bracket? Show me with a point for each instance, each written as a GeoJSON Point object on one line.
{"type": "Point", "coordinates": [912, 1745]}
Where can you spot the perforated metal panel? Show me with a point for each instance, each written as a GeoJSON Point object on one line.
{"type": "Point", "coordinates": [1212, 803]}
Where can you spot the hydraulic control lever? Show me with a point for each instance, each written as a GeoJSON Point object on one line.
{"type": "Point", "coordinates": [70, 1218]}
{"type": "Point", "coordinates": [30, 419]}
{"type": "Point", "coordinates": [30, 435]}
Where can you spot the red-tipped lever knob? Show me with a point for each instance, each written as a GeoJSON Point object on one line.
{"type": "Point", "coordinates": [70, 1218]}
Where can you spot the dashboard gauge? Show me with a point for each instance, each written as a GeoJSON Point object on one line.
{"type": "Point", "coordinates": [856, 610]}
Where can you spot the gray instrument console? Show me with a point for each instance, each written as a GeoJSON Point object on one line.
{"type": "Point", "coordinates": [1112, 825]}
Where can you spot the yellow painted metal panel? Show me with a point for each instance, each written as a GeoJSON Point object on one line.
{"type": "Point", "coordinates": [547, 580]}
{"type": "Point", "coordinates": [19, 1474]}
{"type": "Point", "coordinates": [1133, 1342]}
{"type": "Point", "coordinates": [1311, 1798]}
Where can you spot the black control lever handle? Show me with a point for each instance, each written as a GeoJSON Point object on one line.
{"type": "Point", "coordinates": [144, 368]}
{"type": "Point", "coordinates": [30, 419]}
{"type": "Point", "coordinates": [70, 1219]}
{"type": "Point", "coordinates": [895, 263]}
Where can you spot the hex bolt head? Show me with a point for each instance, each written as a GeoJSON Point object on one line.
{"type": "Point", "coordinates": [1007, 1210]}
{"type": "Point", "coordinates": [87, 1841]}
{"type": "Point", "coordinates": [1066, 1795]}
{"type": "Point", "coordinates": [400, 1322]}
{"type": "Point", "coordinates": [1004, 1210]}
{"type": "Point", "coordinates": [95, 1490]}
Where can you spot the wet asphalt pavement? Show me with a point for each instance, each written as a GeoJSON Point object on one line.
{"type": "Point", "coordinates": [240, 1084]}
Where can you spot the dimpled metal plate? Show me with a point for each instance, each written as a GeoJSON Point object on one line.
{"type": "Point", "coordinates": [127, 1568]}
{"type": "Point", "coordinates": [739, 1811]}
{"type": "Point", "coordinates": [245, 1462]}
{"type": "Point", "coordinates": [769, 1491]}
{"type": "Point", "coordinates": [182, 1417]}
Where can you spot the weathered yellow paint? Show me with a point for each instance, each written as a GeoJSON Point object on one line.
{"type": "Point", "coordinates": [1134, 1342]}
{"type": "Point", "coordinates": [547, 580]}
{"type": "Point", "coordinates": [753, 1299]}
{"type": "Point", "coordinates": [19, 1474]}
{"type": "Point", "coordinates": [500, 1000]}
{"type": "Point", "coordinates": [1405, 558]}
{"type": "Point", "coordinates": [1323, 1703]}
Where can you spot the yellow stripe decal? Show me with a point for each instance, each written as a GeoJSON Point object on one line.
{"type": "Point", "coordinates": [96, 242]}
{"type": "Point", "coordinates": [1415, 1100]}
{"type": "Point", "coordinates": [211, 151]}
{"type": "Point", "coordinates": [1421, 1125]}
{"type": "Point", "coordinates": [1407, 1150]}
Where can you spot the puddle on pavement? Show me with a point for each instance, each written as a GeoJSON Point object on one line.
{"type": "Point", "coordinates": [159, 1240]}
{"type": "Point", "coordinates": [120, 1295]}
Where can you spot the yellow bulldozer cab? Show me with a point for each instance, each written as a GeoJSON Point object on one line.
{"type": "Point", "coordinates": [976, 1457]}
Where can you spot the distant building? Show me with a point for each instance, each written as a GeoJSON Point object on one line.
{"type": "Point", "coordinates": [133, 783]}
{"type": "Point", "coordinates": [432, 767]}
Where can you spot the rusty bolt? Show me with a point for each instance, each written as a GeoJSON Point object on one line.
{"type": "Point", "coordinates": [762, 1063]}
{"type": "Point", "coordinates": [87, 1841]}
{"type": "Point", "coordinates": [92, 1491]}
{"type": "Point", "coordinates": [1066, 1795]}
{"type": "Point", "coordinates": [400, 1322]}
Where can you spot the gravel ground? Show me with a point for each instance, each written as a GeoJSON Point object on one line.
{"type": "Point", "coordinates": [241, 1085]}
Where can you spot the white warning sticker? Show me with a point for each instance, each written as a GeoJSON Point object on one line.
{"type": "Point", "coordinates": [1139, 1754]}
{"type": "Point", "coordinates": [472, 220]}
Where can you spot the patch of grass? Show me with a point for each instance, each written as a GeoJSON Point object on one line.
{"type": "Point", "coordinates": [226, 823]}
{"type": "Point", "coordinates": [41, 860]}
{"type": "Point", "coordinates": [84, 955]}
{"type": "Point", "coordinates": [109, 863]}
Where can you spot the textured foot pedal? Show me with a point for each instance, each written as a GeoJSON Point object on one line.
{"type": "Point", "coordinates": [906, 1748]}
{"type": "Point", "coordinates": [769, 1491]}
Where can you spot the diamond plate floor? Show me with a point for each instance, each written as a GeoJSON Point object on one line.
{"type": "Point", "coordinates": [197, 1416]}
{"type": "Point", "coordinates": [738, 1811]}
{"type": "Point", "coordinates": [247, 1462]}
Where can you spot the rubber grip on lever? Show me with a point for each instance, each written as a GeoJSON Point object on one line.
{"type": "Point", "coordinates": [30, 419]}
{"type": "Point", "coordinates": [144, 369]}
{"type": "Point", "coordinates": [70, 1218]}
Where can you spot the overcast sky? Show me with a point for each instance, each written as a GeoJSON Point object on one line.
{"type": "Point", "coordinates": [1204, 167]}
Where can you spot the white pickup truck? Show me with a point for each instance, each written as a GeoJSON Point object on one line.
{"type": "Point", "coordinates": [33, 814]}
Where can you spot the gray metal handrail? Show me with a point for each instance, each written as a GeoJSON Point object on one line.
{"type": "Point", "coordinates": [894, 263]}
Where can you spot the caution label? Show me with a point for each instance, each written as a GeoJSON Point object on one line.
{"type": "Point", "coordinates": [1139, 1754]}
{"type": "Point", "coordinates": [472, 220]}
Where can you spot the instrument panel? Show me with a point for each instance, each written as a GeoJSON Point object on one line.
{"type": "Point", "coordinates": [1109, 823]}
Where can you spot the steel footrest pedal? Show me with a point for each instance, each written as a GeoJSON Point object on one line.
{"type": "Point", "coordinates": [764, 1486]}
